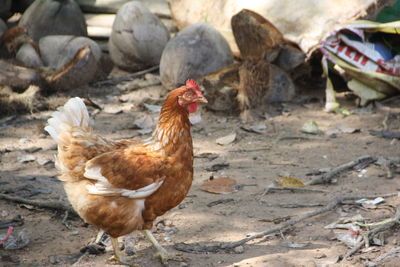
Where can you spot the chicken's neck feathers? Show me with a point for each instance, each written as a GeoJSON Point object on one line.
{"type": "Point", "coordinates": [173, 129]}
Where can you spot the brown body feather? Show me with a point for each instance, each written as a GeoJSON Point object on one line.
{"type": "Point", "coordinates": [131, 165]}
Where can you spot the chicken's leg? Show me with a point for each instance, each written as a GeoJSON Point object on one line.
{"type": "Point", "coordinates": [118, 254]}
{"type": "Point", "coordinates": [164, 255]}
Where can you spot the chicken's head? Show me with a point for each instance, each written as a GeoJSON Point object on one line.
{"type": "Point", "coordinates": [191, 96]}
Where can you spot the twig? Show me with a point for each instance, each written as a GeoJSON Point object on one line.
{"type": "Point", "coordinates": [385, 134]}
{"type": "Point", "coordinates": [370, 235]}
{"type": "Point", "coordinates": [327, 178]}
{"type": "Point", "coordinates": [197, 248]}
{"type": "Point", "coordinates": [57, 205]}
{"type": "Point", "coordinates": [64, 220]}
{"type": "Point", "coordinates": [220, 201]}
{"type": "Point", "coordinates": [289, 137]}
{"type": "Point", "coordinates": [116, 80]}
{"type": "Point", "coordinates": [302, 189]}
{"type": "Point", "coordinates": [295, 205]}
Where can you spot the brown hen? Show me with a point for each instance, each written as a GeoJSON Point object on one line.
{"type": "Point", "coordinates": [122, 186]}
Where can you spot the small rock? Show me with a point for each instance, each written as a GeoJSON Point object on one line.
{"type": "Point", "coordinates": [24, 140]}
{"type": "Point", "coordinates": [112, 110]}
{"type": "Point", "coordinates": [42, 136]}
{"type": "Point", "coordinates": [33, 149]}
{"type": "Point", "coordinates": [168, 239]}
{"type": "Point", "coordinates": [238, 250]}
{"type": "Point", "coordinates": [182, 206]}
{"type": "Point", "coordinates": [76, 232]}
{"type": "Point", "coordinates": [4, 213]}
{"type": "Point", "coordinates": [26, 158]}
{"type": "Point", "coordinates": [320, 256]}
{"type": "Point", "coordinates": [53, 147]}
{"type": "Point", "coordinates": [53, 259]}
{"type": "Point", "coordinates": [183, 264]}
{"type": "Point", "coordinates": [226, 140]}
{"type": "Point", "coordinates": [43, 162]}
{"type": "Point", "coordinates": [310, 127]}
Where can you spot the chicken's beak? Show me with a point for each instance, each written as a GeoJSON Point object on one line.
{"type": "Point", "coordinates": [202, 99]}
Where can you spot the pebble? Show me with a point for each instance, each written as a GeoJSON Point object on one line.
{"type": "Point", "coordinates": [26, 158]}
{"type": "Point", "coordinates": [183, 264]}
{"type": "Point", "coordinates": [53, 259]}
{"type": "Point", "coordinates": [4, 213]}
{"type": "Point", "coordinates": [43, 162]}
{"type": "Point", "coordinates": [33, 149]}
{"type": "Point", "coordinates": [53, 147]}
{"type": "Point", "coordinates": [238, 250]}
{"type": "Point", "coordinates": [24, 140]}
{"type": "Point", "coordinates": [76, 232]}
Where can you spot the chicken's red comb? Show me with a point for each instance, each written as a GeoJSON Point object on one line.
{"type": "Point", "coordinates": [193, 84]}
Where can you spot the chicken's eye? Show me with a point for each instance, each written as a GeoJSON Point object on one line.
{"type": "Point", "coordinates": [188, 95]}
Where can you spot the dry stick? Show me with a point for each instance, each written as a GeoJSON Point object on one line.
{"type": "Point", "coordinates": [57, 205]}
{"type": "Point", "coordinates": [272, 188]}
{"type": "Point", "coordinates": [230, 245]}
{"type": "Point", "coordinates": [372, 233]}
{"type": "Point", "coordinates": [125, 78]}
{"type": "Point", "coordinates": [326, 178]}
{"type": "Point", "coordinates": [295, 205]}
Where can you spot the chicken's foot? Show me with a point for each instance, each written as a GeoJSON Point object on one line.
{"type": "Point", "coordinates": [162, 253]}
{"type": "Point", "coordinates": [118, 254]}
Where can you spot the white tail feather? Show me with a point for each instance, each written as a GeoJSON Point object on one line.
{"type": "Point", "coordinates": [72, 114]}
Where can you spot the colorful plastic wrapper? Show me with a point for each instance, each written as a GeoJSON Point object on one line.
{"type": "Point", "coordinates": [368, 54]}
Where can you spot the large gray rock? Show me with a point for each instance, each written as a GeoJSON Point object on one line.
{"type": "Point", "coordinates": [53, 17]}
{"type": "Point", "coordinates": [194, 52]}
{"type": "Point", "coordinates": [138, 37]}
{"type": "Point", "coordinates": [58, 50]}
{"type": "Point", "coordinates": [29, 56]}
{"type": "Point", "coordinates": [72, 61]}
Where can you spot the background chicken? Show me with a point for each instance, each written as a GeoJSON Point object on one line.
{"type": "Point", "coordinates": [122, 186]}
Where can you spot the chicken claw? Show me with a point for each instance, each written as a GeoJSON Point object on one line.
{"type": "Point", "coordinates": [125, 260]}
{"type": "Point", "coordinates": [165, 256]}
{"type": "Point", "coordinates": [162, 254]}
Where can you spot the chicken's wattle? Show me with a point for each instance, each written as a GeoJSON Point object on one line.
{"type": "Point", "coordinates": [192, 107]}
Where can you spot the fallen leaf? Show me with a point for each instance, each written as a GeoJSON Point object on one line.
{"type": "Point", "coordinates": [287, 181]}
{"type": "Point", "coordinates": [310, 127]}
{"type": "Point", "coordinates": [276, 220]}
{"type": "Point", "coordinates": [219, 186]}
{"type": "Point", "coordinates": [290, 244]}
{"type": "Point", "coordinates": [346, 129]}
{"type": "Point", "coordinates": [217, 167]}
{"type": "Point", "coordinates": [226, 140]}
{"type": "Point", "coordinates": [207, 155]}
{"type": "Point", "coordinates": [112, 109]}
{"type": "Point", "coordinates": [259, 128]}
{"type": "Point", "coordinates": [26, 158]}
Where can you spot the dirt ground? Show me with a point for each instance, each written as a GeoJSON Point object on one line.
{"type": "Point", "coordinates": [255, 161]}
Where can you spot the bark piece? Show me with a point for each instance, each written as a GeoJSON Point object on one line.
{"type": "Point", "coordinates": [221, 88]}
{"type": "Point", "coordinates": [51, 17]}
{"type": "Point", "coordinates": [18, 76]}
{"type": "Point", "coordinates": [255, 36]}
{"type": "Point", "coordinates": [138, 38]}
{"type": "Point", "coordinates": [194, 52]}
{"type": "Point", "coordinates": [79, 71]}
